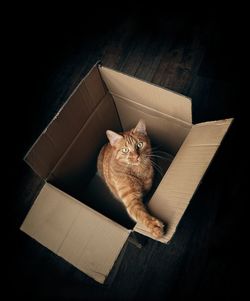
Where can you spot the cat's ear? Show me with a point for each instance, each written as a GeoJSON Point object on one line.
{"type": "Point", "coordinates": [113, 137]}
{"type": "Point", "coordinates": [140, 127]}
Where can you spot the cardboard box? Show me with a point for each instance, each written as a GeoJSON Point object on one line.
{"type": "Point", "coordinates": [73, 215]}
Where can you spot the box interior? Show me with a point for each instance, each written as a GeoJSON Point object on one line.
{"type": "Point", "coordinates": [104, 100]}
{"type": "Point", "coordinates": [76, 174]}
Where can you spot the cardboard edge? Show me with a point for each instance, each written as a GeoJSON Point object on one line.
{"type": "Point", "coordinates": [60, 109]}
{"type": "Point", "coordinates": [147, 82]}
{"type": "Point", "coordinates": [217, 122]}
{"type": "Point", "coordinates": [89, 208]}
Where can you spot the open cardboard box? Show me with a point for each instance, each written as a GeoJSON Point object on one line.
{"type": "Point", "coordinates": [74, 214]}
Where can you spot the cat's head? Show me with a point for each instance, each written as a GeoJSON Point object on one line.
{"type": "Point", "coordinates": [131, 147]}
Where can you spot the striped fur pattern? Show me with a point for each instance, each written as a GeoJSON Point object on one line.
{"type": "Point", "coordinates": [125, 165]}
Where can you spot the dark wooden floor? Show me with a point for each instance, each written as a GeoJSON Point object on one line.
{"type": "Point", "coordinates": [200, 56]}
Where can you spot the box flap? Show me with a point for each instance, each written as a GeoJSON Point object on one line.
{"type": "Point", "coordinates": [177, 187]}
{"type": "Point", "coordinates": [163, 130]}
{"type": "Point", "coordinates": [127, 87]}
{"type": "Point", "coordinates": [88, 240]}
{"type": "Point", "coordinates": [65, 126]}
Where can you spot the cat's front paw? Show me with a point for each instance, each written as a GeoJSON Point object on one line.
{"type": "Point", "coordinates": [156, 228]}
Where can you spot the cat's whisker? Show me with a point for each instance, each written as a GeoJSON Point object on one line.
{"type": "Point", "coordinates": [162, 153]}
{"type": "Point", "coordinates": [157, 167]}
{"type": "Point", "coordinates": [157, 150]}
{"type": "Point", "coordinates": [157, 156]}
{"type": "Point", "coordinates": [158, 170]}
{"type": "Point", "coordinates": [144, 160]}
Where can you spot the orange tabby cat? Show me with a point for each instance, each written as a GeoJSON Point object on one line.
{"type": "Point", "coordinates": [125, 165]}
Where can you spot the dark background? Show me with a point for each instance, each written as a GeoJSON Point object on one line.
{"type": "Point", "coordinates": [203, 56]}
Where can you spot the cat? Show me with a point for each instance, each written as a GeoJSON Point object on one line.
{"type": "Point", "coordinates": [125, 166]}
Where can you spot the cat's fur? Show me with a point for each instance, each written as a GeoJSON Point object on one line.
{"type": "Point", "coordinates": [125, 165]}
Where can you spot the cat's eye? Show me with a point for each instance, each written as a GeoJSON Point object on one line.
{"type": "Point", "coordinates": [125, 150]}
{"type": "Point", "coordinates": [140, 144]}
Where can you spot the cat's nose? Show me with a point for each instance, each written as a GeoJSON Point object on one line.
{"type": "Point", "coordinates": [136, 158]}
